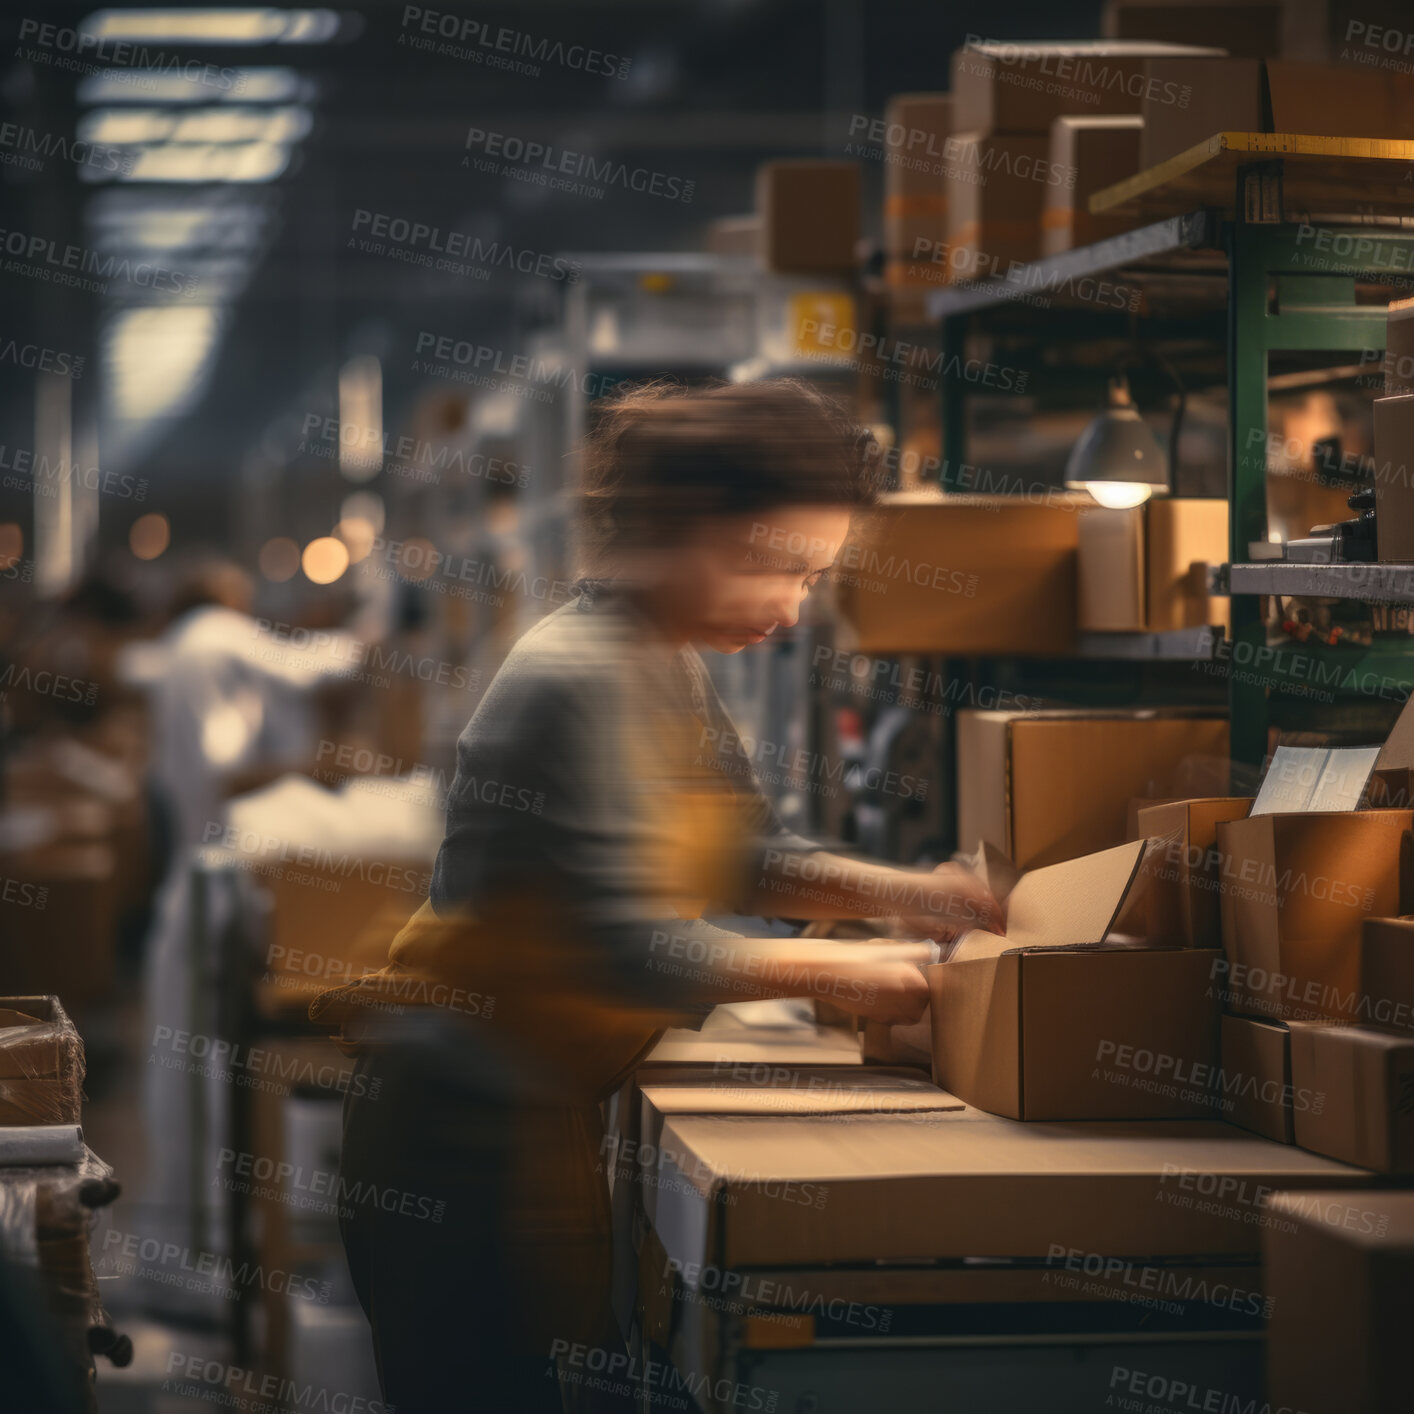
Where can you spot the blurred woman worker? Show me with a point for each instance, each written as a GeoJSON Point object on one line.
{"type": "Point", "coordinates": [602, 799]}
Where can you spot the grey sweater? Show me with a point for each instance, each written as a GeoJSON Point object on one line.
{"type": "Point", "coordinates": [551, 792]}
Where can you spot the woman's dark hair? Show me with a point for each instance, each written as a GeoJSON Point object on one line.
{"type": "Point", "coordinates": [662, 457]}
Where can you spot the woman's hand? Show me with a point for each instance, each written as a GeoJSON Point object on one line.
{"type": "Point", "coordinates": [956, 902]}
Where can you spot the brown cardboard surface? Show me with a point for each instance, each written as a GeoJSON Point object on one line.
{"type": "Point", "coordinates": [1256, 1069]}
{"type": "Point", "coordinates": [1394, 475]}
{"type": "Point", "coordinates": [1186, 876]}
{"type": "Point", "coordinates": [786, 1045]}
{"type": "Point", "coordinates": [1222, 95]}
{"type": "Point", "coordinates": [1023, 87]}
{"type": "Point", "coordinates": [1110, 570]}
{"type": "Point", "coordinates": [996, 192]}
{"type": "Point", "coordinates": [809, 214]}
{"type": "Point", "coordinates": [1183, 535]}
{"type": "Point", "coordinates": [1062, 1033]}
{"type": "Point", "coordinates": [916, 158]}
{"type": "Point", "coordinates": [965, 1184]}
{"type": "Point", "coordinates": [1251, 30]}
{"type": "Point", "coordinates": [961, 574]}
{"type": "Point", "coordinates": [1339, 100]}
{"type": "Point", "coordinates": [1054, 785]}
{"type": "Point", "coordinates": [1077, 901]}
{"type": "Point", "coordinates": [1399, 350]}
{"type": "Point", "coordinates": [1366, 1081]}
{"type": "Point", "coordinates": [1338, 1336]}
{"type": "Point", "coordinates": [1100, 151]}
{"type": "Point", "coordinates": [1296, 889]}
{"type": "Point", "coordinates": [1387, 975]}
{"type": "Point", "coordinates": [763, 1089]}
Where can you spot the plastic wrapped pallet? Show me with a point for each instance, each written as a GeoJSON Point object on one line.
{"type": "Point", "coordinates": [41, 1063]}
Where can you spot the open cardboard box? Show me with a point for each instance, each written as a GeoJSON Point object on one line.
{"type": "Point", "coordinates": [1184, 893]}
{"type": "Point", "coordinates": [1066, 1019]}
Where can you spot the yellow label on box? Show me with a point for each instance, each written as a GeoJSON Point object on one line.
{"type": "Point", "coordinates": [817, 319]}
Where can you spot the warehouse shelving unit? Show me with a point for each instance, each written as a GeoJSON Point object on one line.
{"type": "Point", "coordinates": [1287, 276]}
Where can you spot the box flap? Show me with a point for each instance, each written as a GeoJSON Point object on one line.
{"type": "Point", "coordinates": [1397, 754]}
{"type": "Point", "coordinates": [995, 869]}
{"type": "Point", "coordinates": [1060, 904]}
{"type": "Point", "coordinates": [796, 1090]}
{"type": "Point", "coordinates": [1315, 778]}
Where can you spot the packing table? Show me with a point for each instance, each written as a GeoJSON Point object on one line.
{"type": "Point", "coordinates": [940, 1257]}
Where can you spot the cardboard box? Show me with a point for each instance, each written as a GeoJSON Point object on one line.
{"type": "Point", "coordinates": [735, 1192]}
{"type": "Point", "coordinates": [1052, 785]}
{"type": "Point", "coordinates": [996, 193]}
{"type": "Point", "coordinates": [1254, 30]}
{"type": "Point", "coordinates": [809, 215]}
{"type": "Point", "coordinates": [916, 160]}
{"type": "Point", "coordinates": [927, 573]}
{"type": "Point", "coordinates": [1099, 151]}
{"type": "Point", "coordinates": [1315, 779]}
{"type": "Point", "coordinates": [1363, 1081]}
{"type": "Point", "coordinates": [1144, 569]}
{"type": "Point", "coordinates": [1184, 894]}
{"type": "Point", "coordinates": [735, 235]}
{"type": "Point", "coordinates": [1394, 478]}
{"type": "Point", "coordinates": [1399, 348]}
{"type": "Point", "coordinates": [1391, 782]}
{"type": "Point", "coordinates": [1187, 100]}
{"type": "Point", "coordinates": [1340, 100]}
{"type": "Point", "coordinates": [1046, 1023]}
{"type": "Point", "coordinates": [41, 1063]}
{"type": "Point", "coordinates": [1256, 1089]}
{"type": "Point", "coordinates": [1296, 891]}
{"type": "Point", "coordinates": [1338, 1334]}
{"type": "Point", "coordinates": [1387, 975]}
{"type": "Point", "coordinates": [1024, 87]}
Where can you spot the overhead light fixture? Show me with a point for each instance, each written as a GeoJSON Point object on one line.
{"type": "Point", "coordinates": [253, 25]}
{"type": "Point", "coordinates": [1118, 460]}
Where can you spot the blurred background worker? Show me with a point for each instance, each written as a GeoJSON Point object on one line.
{"type": "Point", "coordinates": [602, 801]}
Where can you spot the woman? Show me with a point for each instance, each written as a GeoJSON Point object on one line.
{"type": "Point", "coordinates": [602, 799]}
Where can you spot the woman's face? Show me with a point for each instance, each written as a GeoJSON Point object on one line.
{"type": "Point", "coordinates": [739, 578]}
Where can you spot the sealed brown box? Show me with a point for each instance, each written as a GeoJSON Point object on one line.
{"type": "Point", "coordinates": [809, 214]}
{"type": "Point", "coordinates": [1023, 87]}
{"type": "Point", "coordinates": [1338, 1333]}
{"type": "Point", "coordinates": [1387, 975]}
{"type": "Point", "coordinates": [1252, 30]}
{"type": "Point", "coordinates": [1052, 785]}
{"type": "Point", "coordinates": [41, 1063]}
{"type": "Point", "coordinates": [1340, 100]}
{"type": "Point", "coordinates": [961, 574]}
{"type": "Point", "coordinates": [1296, 890]}
{"type": "Point", "coordinates": [1399, 348]}
{"type": "Point", "coordinates": [1100, 152]}
{"type": "Point", "coordinates": [1394, 478]}
{"type": "Point", "coordinates": [1143, 569]}
{"type": "Point", "coordinates": [918, 126]}
{"type": "Point", "coordinates": [1363, 1080]}
{"type": "Point", "coordinates": [1187, 100]}
{"type": "Point", "coordinates": [1046, 1023]}
{"type": "Point", "coordinates": [996, 192]}
{"type": "Point", "coordinates": [1256, 1089]}
{"type": "Point", "coordinates": [1186, 887]}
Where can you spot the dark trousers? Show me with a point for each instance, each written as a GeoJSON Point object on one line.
{"type": "Point", "coordinates": [476, 1230]}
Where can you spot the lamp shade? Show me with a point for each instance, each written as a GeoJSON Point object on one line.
{"type": "Point", "coordinates": [1117, 458]}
